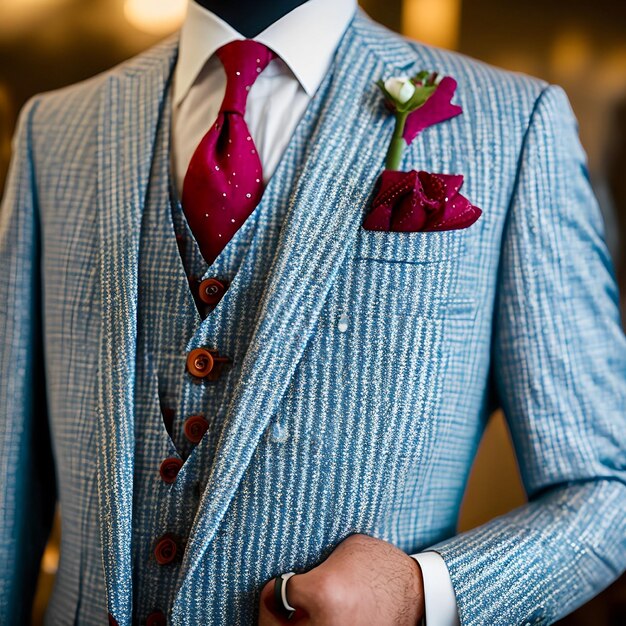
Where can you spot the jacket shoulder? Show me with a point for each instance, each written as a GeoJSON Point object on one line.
{"type": "Point", "coordinates": [78, 100]}
{"type": "Point", "coordinates": [488, 84]}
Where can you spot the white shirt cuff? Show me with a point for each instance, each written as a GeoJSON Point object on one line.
{"type": "Point", "coordinates": [439, 599]}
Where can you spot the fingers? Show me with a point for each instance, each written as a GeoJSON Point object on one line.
{"type": "Point", "coordinates": [304, 591]}
{"type": "Point", "coordinates": [268, 615]}
{"type": "Point", "coordinates": [272, 615]}
{"type": "Point", "coordinates": [316, 595]}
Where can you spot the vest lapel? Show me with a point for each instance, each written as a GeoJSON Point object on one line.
{"type": "Point", "coordinates": [345, 155]}
{"type": "Point", "coordinates": [131, 100]}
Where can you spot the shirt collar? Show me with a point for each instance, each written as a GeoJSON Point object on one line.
{"type": "Point", "coordinates": [305, 39]}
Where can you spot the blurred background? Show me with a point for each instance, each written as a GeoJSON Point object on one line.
{"type": "Point", "coordinates": [579, 45]}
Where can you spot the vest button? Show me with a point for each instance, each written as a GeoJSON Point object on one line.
{"type": "Point", "coordinates": [195, 427]}
{"type": "Point", "coordinates": [200, 362]}
{"type": "Point", "coordinates": [165, 550]}
{"type": "Point", "coordinates": [203, 363]}
{"type": "Point", "coordinates": [156, 618]}
{"type": "Point", "coordinates": [169, 468]}
{"type": "Point", "coordinates": [211, 290]}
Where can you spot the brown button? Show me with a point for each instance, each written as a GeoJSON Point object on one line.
{"type": "Point", "coordinates": [156, 618]}
{"type": "Point", "coordinates": [169, 468]}
{"type": "Point", "coordinates": [200, 362]}
{"type": "Point", "coordinates": [211, 290]}
{"type": "Point", "coordinates": [165, 550]}
{"type": "Point", "coordinates": [112, 621]}
{"type": "Point", "coordinates": [195, 427]}
{"type": "Point", "coordinates": [203, 363]}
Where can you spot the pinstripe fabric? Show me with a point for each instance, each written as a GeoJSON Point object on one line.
{"type": "Point", "coordinates": [323, 431]}
{"type": "Point", "coordinates": [163, 338]}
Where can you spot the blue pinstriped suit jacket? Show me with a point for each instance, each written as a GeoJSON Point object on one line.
{"type": "Point", "coordinates": [382, 421]}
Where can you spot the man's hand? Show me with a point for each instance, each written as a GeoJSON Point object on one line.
{"type": "Point", "coordinates": [364, 581]}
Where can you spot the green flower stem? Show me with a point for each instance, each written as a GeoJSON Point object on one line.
{"type": "Point", "coordinates": [397, 145]}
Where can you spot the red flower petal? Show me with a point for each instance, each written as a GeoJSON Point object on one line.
{"type": "Point", "coordinates": [438, 108]}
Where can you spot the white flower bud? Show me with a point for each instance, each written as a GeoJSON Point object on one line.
{"type": "Point", "coordinates": [400, 88]}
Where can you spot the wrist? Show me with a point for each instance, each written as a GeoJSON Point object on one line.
{"type": "Point", "coordinates": [417, 591]}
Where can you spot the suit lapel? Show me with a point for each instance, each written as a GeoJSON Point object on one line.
{"type": "Point", "coordinates": [345, 155]}
{"type": "Point", "coordinates": [132, 97]}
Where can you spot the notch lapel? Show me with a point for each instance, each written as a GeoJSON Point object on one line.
{"type": "Point", "coordinates": [346, 153]}
{"type": "Point", "coordinates": [132, 97]}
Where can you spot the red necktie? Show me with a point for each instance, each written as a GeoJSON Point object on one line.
{"type": "Point", "coordinates": [224, 181]}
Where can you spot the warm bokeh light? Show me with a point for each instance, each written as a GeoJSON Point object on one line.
{"type": "Point", "coordinates": [434, 22]}
{"type": "Point", "coordinates": [17, 15]}
{"type": "Point", "coordinates": [157, 17]}
{"type": "Point", "coordinates": [9, 7]}
{"type": "Point", "coordinates": [50, 560]}
{"type": "Point", "coordinates": [571, 54]}
{"type": "Point", "coordinates": [611, 75]}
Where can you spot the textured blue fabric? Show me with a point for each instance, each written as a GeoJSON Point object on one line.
{"type": "Point", "coordinates": [165, 333]}
{"type": "Point", "coordinates": [326, 429]}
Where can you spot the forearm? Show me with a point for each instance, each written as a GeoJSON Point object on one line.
{"type": "Point", "coordinates": [542, 560]}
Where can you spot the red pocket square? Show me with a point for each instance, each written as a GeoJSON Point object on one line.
{"type": "Point", "coordinates": [419, 201]}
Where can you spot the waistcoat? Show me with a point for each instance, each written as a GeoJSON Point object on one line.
{"type": "Point", "coordinates": [171, 323]}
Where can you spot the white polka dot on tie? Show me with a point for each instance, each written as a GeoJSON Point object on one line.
{"type": "Point", "coordinates": [248, 138]}
{"type": "Point", "coordinates": [238, 73]}
{"type": "Point", "coordinates": [248, 195]}
{"type": "Point", "coordinates": [253, 151]}
{"type": "Point", "coordinates": [206, 215]}
{"type": "Point", "coordinates": [232, 219]}
{"type": "Point", "coordinates": [258, 69]}
{"type": "Point", "coordinates": [224, 194]}
{"type": "Point", "coordinates": [258, 180]}
{"type": "Point", "coordinates": [258, 60]}
{"type": "Point", "coordinates": [217, 167]}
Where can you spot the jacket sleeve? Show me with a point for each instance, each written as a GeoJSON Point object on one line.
{"type": "Point", "coordinates": [559, 370]}
{"type": "Point", "coordinates": [27, 473]}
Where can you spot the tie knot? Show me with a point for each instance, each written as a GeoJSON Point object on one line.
{"type": "Point", "coordinates": [243, 61]}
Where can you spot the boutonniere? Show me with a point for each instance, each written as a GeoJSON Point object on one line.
{"type": "Point", "coordinates": [417, 200]}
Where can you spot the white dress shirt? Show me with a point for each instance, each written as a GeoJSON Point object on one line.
{"type": "Point", "coordinates": [305, 41]}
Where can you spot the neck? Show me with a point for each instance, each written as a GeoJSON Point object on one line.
{"type": "Point", "coordinates": [250, 17]}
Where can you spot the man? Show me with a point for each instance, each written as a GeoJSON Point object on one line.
{"type": "Point", "coordinates": [306, 397]}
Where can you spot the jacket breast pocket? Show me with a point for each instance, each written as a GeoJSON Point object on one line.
{"type": "Point", "coordinates": [413, 247]}
{"type": "Point", "coordinates": [408, 273]}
